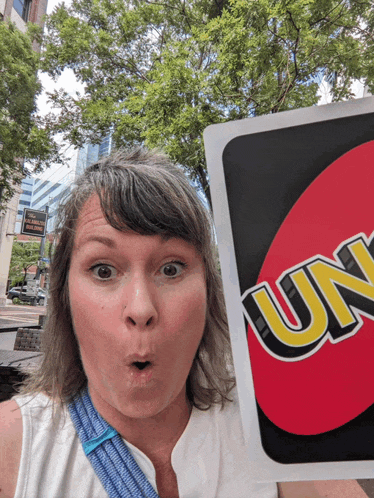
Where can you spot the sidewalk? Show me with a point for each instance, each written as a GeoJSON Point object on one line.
{"type": "Point", "coordinates": [9, 304]}
{"type": "Point", "coordinates": [13, 316]}
{"type": "Point", "coordinates": [7, 340]}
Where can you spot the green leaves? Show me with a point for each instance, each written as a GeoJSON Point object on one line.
{"type": "Point", "coordinates": [159, 72]}
{"type": "Point", "coordinates": [22, 135]}
{"type": "Point", "coordinates": [24, 255]}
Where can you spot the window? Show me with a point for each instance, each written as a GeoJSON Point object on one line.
{"type": "Point", "coordinates": [23, 8]}
{"type": "Point", "coordinates": [41, 186]}
{"type": "Point", "coordinates": [44, 194]}
{"type": "Point", "coordinates": [105, 147]}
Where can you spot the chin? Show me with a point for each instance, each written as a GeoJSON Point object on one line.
{"type": "Point", "coordinates": [142, 409]}
{"type": "Point", "coordinates": [146, 400]}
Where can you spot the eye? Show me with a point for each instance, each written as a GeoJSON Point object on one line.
{"type": "Point", "coordinates": [104, 272]}
{"type": "Point", "coordinates": [172, 269]}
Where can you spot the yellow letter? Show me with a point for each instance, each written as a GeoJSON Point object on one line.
{"type": "Point", "coordinates": [288, 334]}
{"type": "Point", "coordinates": [328, 277]}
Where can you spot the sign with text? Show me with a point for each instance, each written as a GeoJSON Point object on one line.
{"type": "Point", "coordinates": [292, 200]}
{"type": "Point", "coordinates": [34, 222]}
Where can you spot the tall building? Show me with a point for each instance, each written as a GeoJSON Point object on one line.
{"type": "Point", "coordinates": [20, 12]}
{"type": "Point", "coordinates": [54, 183]}
{"type": "Point", "coordinates": [105, 147]}
{"type": "Point", "coordinates": [26, 193]}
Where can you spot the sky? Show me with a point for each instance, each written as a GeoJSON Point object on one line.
{"type": "Point", "coordinates": [66, 81]}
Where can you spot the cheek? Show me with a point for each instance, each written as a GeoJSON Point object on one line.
{"type": "Point", "coordinates": [195, 310]}
{"type": "Point", "coordinates": [84, 308]}
{"type": "Point", "coordinates": [84, 299]}
{"type": "Point", "coordinates": [190, 315]}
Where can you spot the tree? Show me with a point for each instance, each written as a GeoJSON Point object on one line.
{"type": "Point", "coordinates": [159, 72]}
{"type": "Point", "coordinates": [23, 137]}
{"type": "Point", "coordinates": [24, 255]}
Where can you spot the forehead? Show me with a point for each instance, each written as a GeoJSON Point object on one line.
{"type": "Point", "coordinates": [91, 215]}
{"type": "Point", "coordinates": [92, 223]}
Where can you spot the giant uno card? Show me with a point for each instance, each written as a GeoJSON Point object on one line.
{"type": "Point", "coordinates": [293, 203]}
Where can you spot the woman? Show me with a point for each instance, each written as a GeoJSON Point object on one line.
{"type": "Point", "coordinates": [136, 393]}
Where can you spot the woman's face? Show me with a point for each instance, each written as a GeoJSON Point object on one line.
{"type": "Point", "coordinates": [139, 308]}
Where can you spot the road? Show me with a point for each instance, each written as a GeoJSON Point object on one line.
{"type": "Point", "coordinates": [13, 316]}
{"type": "Point", "coordinates": [20, 315]}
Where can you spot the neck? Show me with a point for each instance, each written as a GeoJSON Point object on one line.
{"type": "Point", "coordinates": [155, 436]}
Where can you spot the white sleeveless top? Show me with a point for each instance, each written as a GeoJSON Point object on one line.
{"type": "Point", "coordinates": [209, 460]}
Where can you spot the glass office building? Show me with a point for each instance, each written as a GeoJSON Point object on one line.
{"type": "Point", "coordinates": [54, 183]}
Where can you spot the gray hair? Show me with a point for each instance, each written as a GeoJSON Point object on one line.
{"type": "Point", "coordinates": [142, 192]}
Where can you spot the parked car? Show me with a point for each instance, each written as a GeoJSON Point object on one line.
{"type": "Point", "coordinates": [15, 293]}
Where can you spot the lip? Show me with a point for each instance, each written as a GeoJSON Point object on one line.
{"type": "Point", "coordinates": [140, 378]}
{"type": "Point", "coordinates": [140, 358]}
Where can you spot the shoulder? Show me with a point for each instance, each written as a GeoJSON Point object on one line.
{"type": "Point", "coordinates": [215, 449]}
{"type": "Point", "coordinates": [10, 446]}
{"type": "Point", "coordinates": [224, 418]}
{"type": "Point", "coordinates": [10, 422]}
{"type": "Point", "coordinates": [235, 469]}
{"type": "Point", "coordinates": [229, 415]}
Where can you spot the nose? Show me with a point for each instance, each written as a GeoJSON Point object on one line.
{"type": "Point", "coordinates": [139, 309]}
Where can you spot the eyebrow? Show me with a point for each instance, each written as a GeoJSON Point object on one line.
{"type": "Point", "coordinates": [98, 238]}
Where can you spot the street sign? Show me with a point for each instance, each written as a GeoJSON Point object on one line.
{"type": "Point", "coordinates": [33, 222]}
{"type": "Point", "coordinates": [292, 201]}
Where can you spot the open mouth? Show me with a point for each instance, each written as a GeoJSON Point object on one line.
{"type": "Point", "coordinates": [141, 365]}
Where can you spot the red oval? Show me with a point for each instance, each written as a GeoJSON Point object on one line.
{"type": "Point", "coordinates": [333, 386]}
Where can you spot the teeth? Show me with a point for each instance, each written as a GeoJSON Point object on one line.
{"type": "Point", "coordinates": [141, 364]}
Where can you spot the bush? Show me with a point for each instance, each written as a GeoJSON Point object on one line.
{"type": "Point", "coordinates": [17, 300]}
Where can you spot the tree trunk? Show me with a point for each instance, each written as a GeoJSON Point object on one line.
{"type": "Point", "coordinates": [203, 180]}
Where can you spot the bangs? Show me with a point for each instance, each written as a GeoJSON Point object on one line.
{"type": "Point", "coordinates": [148, 205]}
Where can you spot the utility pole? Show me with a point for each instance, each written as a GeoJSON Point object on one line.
{"type": "Point", "coordinates": [41, 255]}
{"type": "Point", "coordinates": [42, 246]}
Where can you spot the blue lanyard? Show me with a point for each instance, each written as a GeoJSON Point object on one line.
{"type": "Point", "coordinates": [109, 456]}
